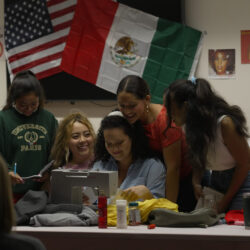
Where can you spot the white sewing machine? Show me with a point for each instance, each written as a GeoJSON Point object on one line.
{"type": "Point", "coordinates": [67, 184]}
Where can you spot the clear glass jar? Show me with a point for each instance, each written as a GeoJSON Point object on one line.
{"type": "Point", "coordinates": [134, 215]}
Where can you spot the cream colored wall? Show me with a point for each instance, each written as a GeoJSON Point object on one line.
{"type": "Point", "coordinates": [94, 110]}
{"type": "Point", "coordinates": [221, 19]}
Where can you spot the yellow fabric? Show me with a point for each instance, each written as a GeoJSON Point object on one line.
{"type": "Point", "coordinates": [145, 208]}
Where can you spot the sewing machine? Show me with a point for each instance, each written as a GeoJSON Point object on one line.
{"type": "Point", "coordinates": [67, 184]}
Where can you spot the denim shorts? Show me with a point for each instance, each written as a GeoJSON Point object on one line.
{"type": "Point", "coordinates": [220, 181]}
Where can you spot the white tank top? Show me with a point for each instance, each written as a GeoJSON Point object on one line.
{"type": "Point", "coordinates": [218, 156]}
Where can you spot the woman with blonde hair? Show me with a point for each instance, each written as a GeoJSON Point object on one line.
{"type": "Point", "coordinates": [74, 143]}
{"type": "Point", "coordinates": [10, 240]}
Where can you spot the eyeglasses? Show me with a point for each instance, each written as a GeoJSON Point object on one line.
{"type": "Point", "coordinates": [114, 145]}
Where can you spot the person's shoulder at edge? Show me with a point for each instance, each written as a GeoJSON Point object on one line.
{"type": "Point", "coordinates": [226, 121]}
{"type": "Point", "coordinates": [46, 112]}
{"type": "Point", "coordinates": [15, 241]}
{"type": "Point", "coordinates": [160, 116]}
{"type": "Point", "coordinates": [159, 110]}
{"type": "Point", "coordinates": [49, 115]}
{"type": "Point", "coordinates": [227, 126]}
{"type": "Point", "coordinates": [155, 163]}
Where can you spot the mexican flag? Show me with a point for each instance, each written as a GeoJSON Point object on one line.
{"type": "Point", "coordinates": [109, 40]}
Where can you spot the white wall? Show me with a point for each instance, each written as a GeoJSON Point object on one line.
{"type": "Point", "coordinates": [94, 110]}
{"type": "Point", "coordinates": [222, 20]}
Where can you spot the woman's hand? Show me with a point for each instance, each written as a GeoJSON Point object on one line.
{"type": "Point", "coordinates": [136, 192]}
{"type": "Point", "coordinates": [16, 178]}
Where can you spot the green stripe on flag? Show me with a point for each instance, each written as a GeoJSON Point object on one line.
{"type": "Point", "coordinates": [171, 56]}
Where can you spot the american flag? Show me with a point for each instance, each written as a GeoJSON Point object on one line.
{"type": "Point", "coordinates": [36, 33]}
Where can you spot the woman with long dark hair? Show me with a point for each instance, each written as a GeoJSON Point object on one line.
{"type": "Point", "coordinates": [216, 135]}
{"type": "Point", "coordinates": [124, 148]}
{"type": "Point", "coordinates": [134, 101]}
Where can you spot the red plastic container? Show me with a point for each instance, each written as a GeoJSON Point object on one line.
{"type": "Point", "coordinates": [102, 210]}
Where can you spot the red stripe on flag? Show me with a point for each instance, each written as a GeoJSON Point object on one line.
{"type": "Point", "coordinates": [62, 26]}
{"type": "Point", "coordinates": [49, 72]}
{"type": "Point", "coordinates": [90, 28]}
{"type": "Point", "coordinates": [62, 12]}
{"type": "Point", "coordinates": [37, 49]}
{"type": "Point", "coordinates": [37, 62]}
{"type": "Point", "coordinates": [54, 2]}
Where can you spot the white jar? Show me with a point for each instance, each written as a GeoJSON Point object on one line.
{"type": "Point", "coordinates": [121, 211]}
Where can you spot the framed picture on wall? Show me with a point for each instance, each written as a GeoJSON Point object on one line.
{"type": "Point", "coordinates": [221, 63]}
{"type": "Point", "coordinates": [245, 46]}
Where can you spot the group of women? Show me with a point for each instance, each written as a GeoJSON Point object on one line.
{"type": "Point", "coordinates": [158, 150]}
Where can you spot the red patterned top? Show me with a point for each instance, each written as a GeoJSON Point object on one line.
{"type": "Point", "coordinates": [159, 138]}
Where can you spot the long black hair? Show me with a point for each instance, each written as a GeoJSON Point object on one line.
{"type": "Point", "coordinates": [140, 145]}
{"type": "Point", "coordinates": [135, 85]}
{"type": "Point", "coordinates": [203, 108]}
{"type": "Point", "coordinates": [23, 83]}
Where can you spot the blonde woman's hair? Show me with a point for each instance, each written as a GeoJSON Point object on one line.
{"type": "Point", "coordinates": [7, 218]}
{"type": "Point", "coordinates": [60, 150]}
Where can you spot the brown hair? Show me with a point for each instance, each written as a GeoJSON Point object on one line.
{"type": "Point", "coordinates": [7, 219]}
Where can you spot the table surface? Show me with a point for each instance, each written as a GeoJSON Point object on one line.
{"type": "Point", "coordinates": [218, 230]}
{"type": "Point", "coordinates": [140, 237]}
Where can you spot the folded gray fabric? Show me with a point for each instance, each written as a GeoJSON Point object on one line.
{"type": "Point", "coordinates": [33, 202]}
{"type": "Point", "coordinates": [87, 217]}
{"type": "Point", "coordinates": [57, 219]}
{"type": "Point", "coordinates": [202, 217]}
{"type": "Point", "coordinates": [33, 209]}
{"type": "Point", "coordinates": [55, 208]}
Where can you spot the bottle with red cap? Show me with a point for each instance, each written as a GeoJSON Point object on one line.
{"type": "Point", "coordinates": [102, 210]}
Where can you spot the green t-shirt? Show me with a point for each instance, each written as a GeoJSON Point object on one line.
{"type": "Point", "coordinates": [26, 141]}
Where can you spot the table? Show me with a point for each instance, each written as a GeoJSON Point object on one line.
{"type": "Point", "coordinates": [223, 237]}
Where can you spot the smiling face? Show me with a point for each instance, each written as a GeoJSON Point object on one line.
{"type": "Point", "coordinates": [81, 143]}
{"type": "Point", "coordinates": [27, 104]}
{"type": "Point", "coordinates": [118, 144]}
{"type": "Point", "coordinates": [132, 108]}
{"type": "Point", "coordinates": [220, 63]}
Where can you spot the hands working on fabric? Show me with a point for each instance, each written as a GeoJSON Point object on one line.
{"type": "Point", "coordinates": [134, 193]}
{"type": "Point", "coordinates": [124, 148]}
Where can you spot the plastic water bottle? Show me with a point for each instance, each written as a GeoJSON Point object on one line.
{"type": "Point", "coordinates": [121, 209]}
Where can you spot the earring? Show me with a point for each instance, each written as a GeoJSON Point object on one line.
{"type": "Point", "coordinates": [147, 108]}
